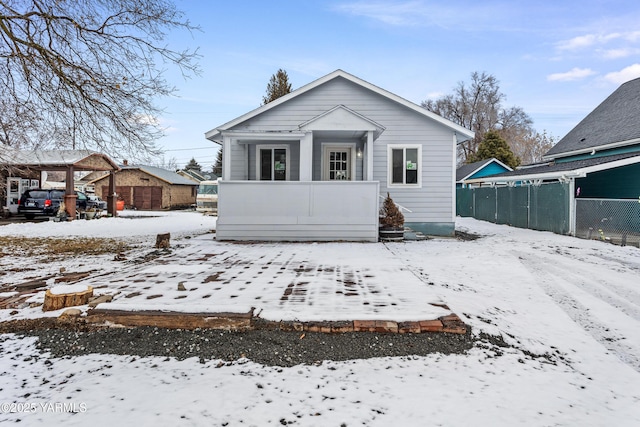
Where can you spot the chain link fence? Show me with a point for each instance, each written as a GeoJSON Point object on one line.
{"type": "Point", "coordinates": [612, 220]}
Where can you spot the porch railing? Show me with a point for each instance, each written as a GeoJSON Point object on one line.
{"type": "Point", "coordinates": [298, 210]}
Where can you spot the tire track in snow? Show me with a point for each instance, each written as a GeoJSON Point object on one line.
{"type": "Point", "coordinates": [558, 282]}
{"type": "Point", "coordinates": [602, 287]}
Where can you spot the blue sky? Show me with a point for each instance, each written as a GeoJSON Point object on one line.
{"type": "Point", "coordinates": [556, 59]}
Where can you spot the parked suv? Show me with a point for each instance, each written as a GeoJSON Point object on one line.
{"type": "Point", "coordinates": [46, 202]}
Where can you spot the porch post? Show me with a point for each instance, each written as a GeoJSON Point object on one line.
{"type": "Point", "coordinates": [70, 195]}
{"type": "Point", "coordinates": [226, 158]}
{"type": "Point", "coordinates": [306, 157]}
{"type": "Point", "coordinates": [369, 156]}
{"type": "Point", "coordinates": [111, 197]}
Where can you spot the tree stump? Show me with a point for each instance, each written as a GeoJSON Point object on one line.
{"type": "Point", "coordinates": [66, 296]}
{"type": "Point", "coordinates": [162, 240]}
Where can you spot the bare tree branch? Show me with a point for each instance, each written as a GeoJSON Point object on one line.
{"type": "Point", "coordinates": [478, 107]}
{"type": "Point", "coordinates": [87, 73]}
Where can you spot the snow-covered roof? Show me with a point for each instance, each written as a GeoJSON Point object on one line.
{"type": "Point", "coordinates": [80, 159]}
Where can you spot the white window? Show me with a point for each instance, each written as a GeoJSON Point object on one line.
{"type": "Point", "coordinates": [405, 165]}
{"type": "Point", "coordinates": [272, 163]}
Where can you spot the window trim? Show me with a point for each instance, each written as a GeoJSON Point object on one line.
{"type": "Point", "coordinates": [273, 147]}
{"type": "Point", "coordinates": [404, 148]}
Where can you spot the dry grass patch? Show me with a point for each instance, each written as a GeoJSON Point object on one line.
{"type": "Point", "coordinates": [57, 246]}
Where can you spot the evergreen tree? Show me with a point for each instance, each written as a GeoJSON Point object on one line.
{"type": "Point", "coordinates": [278, 86]}
{"type": "Point", "coordinates": [493, 145]}
{"type": "Point", "coordinates": [217, 167]}
{"type": "Point", "coordinates": [390, 215]}
{"type": "Point", "coordinates": [193, 165]}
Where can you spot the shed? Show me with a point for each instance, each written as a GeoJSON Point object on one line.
{"type": "Point", "coordinates": [150, 188]}
{"type": "Point", "coordinates": [479, 169]}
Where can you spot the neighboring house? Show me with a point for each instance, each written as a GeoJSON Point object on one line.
{"type": "Point", "coordinates": [315, 163]}
{"type": "Point", "coordinates": [149, 188]}
{"type": "Point", "coordinates": [479, 169]}
{"type": "Point", "coordinates": [196, 176]}
{"type": "Point", "coordinates": [597, 164]}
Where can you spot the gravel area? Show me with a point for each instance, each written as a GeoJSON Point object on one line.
{"type": "Point", "coordinates": [272, 348]}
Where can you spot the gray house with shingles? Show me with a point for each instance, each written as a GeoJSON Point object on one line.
{"type": "Point", "coordinates": [598, 161]}
{"type": "Point", "coordinates": [314, 164]}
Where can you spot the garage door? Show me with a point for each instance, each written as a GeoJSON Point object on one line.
{"type": "Point", "coordinates": [147, 198]}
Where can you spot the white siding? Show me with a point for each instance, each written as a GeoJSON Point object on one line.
{"type": "Point", "coordinates": [434, 201]}
{"type": "Point", "coordinates": [293, 211]}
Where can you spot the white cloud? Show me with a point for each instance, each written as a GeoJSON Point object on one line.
{"type": "Point", "coordinates": [600, 40]}
{"type": "Point", "coordinates": [573, 74]}
{"type": "Point", "coordinates": [407, 13]}
{"type": "Point", "coordinates": [579, 42]}
{"type": "Point", "coordinates": [628, 73]}
{"type": "Point", "coordinates": [435, 95]}
{"type": "Point", "coordinates": [620, 53]}
{"type": "Point", "coordinates": [423, 13]}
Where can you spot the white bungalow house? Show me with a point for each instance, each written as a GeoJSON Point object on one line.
{"type": "Point", "coordinates": [315, 164]}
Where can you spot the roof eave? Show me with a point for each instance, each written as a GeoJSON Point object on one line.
{"type": "Point", "coordinates": [462, 134]}
{"type": "Point", "coordinates": [576, 173]}
{"type": "Point", "coordinates": [592, 149]}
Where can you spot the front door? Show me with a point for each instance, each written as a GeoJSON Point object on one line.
{"type": "Point", "coordinates": [337, 164]}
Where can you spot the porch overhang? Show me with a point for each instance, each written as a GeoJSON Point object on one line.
{"type": "Point", "coordinates": [343, 120]}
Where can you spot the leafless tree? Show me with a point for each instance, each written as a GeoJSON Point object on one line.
{"type": "Point", "coordinates": [478, 107]}
{"type": "Point", "coordinates": [87, 73]}
{"type": "Point", "coordinates": [534, 145]}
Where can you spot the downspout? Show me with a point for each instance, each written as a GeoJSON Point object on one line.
{"type": "Point", "coordinates": [453, 180]}
{"type": "Point", "coordinates": [572, 207]}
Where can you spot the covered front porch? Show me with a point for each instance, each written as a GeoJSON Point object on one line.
{"type": "Point", "coordinates": [313, 183]}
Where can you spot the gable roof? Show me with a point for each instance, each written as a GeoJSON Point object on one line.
{"type": "Point", "coordinates": [613, 123]}
{"type": "Point", "coordinates": [196, 176]}
{"type": "Point", "coordinates": [462, 133]}
{"type": "Point", "coordinates": [58, 159]}
{"type": "Point", "coordinates": [465, 171]}
{"type": "Point", "coordinates": [343, 118]}
{"type": "Point", "coordinates": [162, 174]}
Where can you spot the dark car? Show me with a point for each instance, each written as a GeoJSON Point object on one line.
{"type": "Point", "coordinates": [46, 202]}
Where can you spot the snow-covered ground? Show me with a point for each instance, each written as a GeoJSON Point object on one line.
{"type": "Point", "coordinates": [576, 301]}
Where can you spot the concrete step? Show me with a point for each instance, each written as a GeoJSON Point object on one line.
{"type": "Point", "coordinates": [410, 234]}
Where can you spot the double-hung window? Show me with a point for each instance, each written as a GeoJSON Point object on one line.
{"type": "Point", "coordinates": [405, 165]}
{"type": "Point", "coordinates": [272, 163]}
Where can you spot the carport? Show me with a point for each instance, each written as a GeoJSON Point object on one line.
{"type": "Point", "coordinates": [20, 162]}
